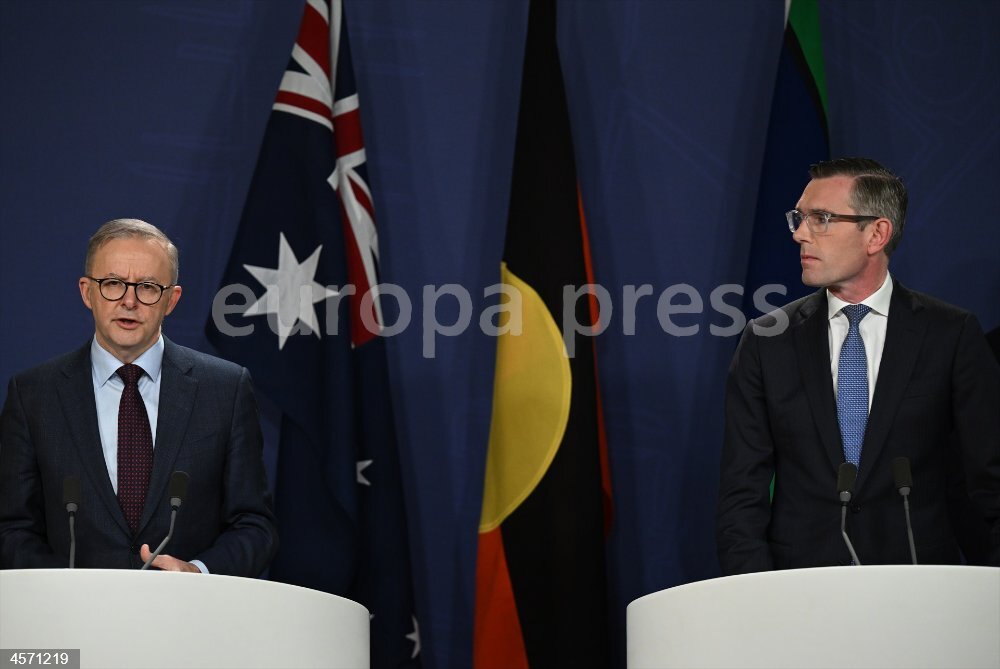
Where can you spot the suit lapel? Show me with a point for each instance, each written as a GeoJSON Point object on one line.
{"type": "Point", "coordinates": [75, 390]}
{"type": "Point", "coordinates": [812, 350]}
{"type": "Point", "coordinates": [903, 338]}
{"type": "Point", "coordinates": [177, 396]}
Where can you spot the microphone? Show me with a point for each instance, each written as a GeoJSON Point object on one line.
{"type": "Point", "coordinates": [71, 499]}
{"type": "Point", "coordinates": [846, 475]}
{"type": "Point", "coordinates": [177, 489]}
{"type": "Point", "coordinates": [904, 482]}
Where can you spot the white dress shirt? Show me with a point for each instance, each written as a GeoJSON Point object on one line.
{"type": "Point", "coordinates": [872, 329]}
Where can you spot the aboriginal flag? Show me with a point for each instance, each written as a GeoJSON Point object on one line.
{"type": "Point", "coordinates": [541, 593]}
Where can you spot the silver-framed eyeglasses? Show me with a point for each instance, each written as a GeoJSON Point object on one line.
{"type": "Point", "coordinates": [147, 292]}
{"type": "Point", "coordinates": [819, 221]}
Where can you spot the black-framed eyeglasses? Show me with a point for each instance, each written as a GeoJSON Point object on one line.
{"type": "Point", "coordinates": [819, 221]}
{"type": "Point", "coordinates": [147, 292]}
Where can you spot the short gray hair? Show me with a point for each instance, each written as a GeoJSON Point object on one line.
{"type": "Point", "coordinates": [132, 228]}
{"type": "Point", "coordinates": [876, 192]}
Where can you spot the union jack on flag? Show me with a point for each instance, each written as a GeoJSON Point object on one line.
{"type": "Point", "coordinates": [309, 89]}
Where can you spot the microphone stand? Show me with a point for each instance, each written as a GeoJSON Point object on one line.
{"type": "Point", "coordinates": [72, 536]}
{"type": "Point", "coordinates": [163, 544]}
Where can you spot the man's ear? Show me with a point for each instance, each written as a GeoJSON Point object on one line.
{"type": "Point", "coordinates": [881, 232]}
{"type": "Point", "coordinates": [173, 298]}
{"type": "Point", "coordinates": [85, 292]}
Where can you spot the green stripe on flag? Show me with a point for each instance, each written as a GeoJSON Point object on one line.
{"type": "Point", "coordinates": [804, 19]}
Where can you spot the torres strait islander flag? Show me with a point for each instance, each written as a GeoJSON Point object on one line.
{"type": "Point", "coordinates": [797, 137]}
{"type": "Point", "coordinates": [307, 240]}
{"type": "Point", "coordinates": [541, 594]}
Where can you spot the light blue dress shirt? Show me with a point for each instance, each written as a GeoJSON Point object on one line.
{"type": "Point", "coordinates": [108, 387]}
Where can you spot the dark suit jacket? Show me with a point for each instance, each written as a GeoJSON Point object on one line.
{"type": "Point", "coordinates": [207, 426]}
{"type": "Point", "coordinates": [936, 401]}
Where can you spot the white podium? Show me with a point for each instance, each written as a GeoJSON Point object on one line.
{"type": "Point", "coordinates": [160, 619]}
{"type": "Point", "coordinates": [878, 616]}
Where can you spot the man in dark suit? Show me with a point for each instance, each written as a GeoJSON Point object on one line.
{"type": "Point", "coordinates": [822, 381]}
{"type": "Point", "coordinates": [92, 414]}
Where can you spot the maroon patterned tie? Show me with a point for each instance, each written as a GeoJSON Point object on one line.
{"type": "Point", "coordinates": [135, 447]}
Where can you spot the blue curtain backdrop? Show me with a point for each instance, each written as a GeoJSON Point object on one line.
{"type": "Point", "coordinates": [156, 110]}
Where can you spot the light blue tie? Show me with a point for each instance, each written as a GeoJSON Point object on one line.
{"type": "Point", "coordinates": [852, 385]}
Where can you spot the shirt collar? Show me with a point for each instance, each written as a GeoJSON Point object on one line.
{"type": "Point", "coordinates": [878, 301]}
{"type": "Point", "coordinates": [105, 365]}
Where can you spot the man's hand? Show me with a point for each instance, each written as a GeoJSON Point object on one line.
{"type": "Point", "coordinates": [166, 562]}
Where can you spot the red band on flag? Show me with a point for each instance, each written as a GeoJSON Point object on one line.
{"type": "Point", "coordinates": [314, 38]}
{"type": "Point", "coordinates": [362, 198]}
{"type": "Point", "coordinates": [497, 640]}
{"type": "Point", "coordinates": [360, 333]}
{"type": "Point", "coordinates": [303, 102]}
{"type": "Point", "coordinates": [347, 132]}
{"type": "Point", "coordinates": [595, 317]}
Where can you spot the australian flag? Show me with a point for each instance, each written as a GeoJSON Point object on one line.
{"type": "Point", "coordinates": [296, 308]}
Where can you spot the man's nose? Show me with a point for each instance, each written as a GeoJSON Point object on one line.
{"type": "Point", "coordinates": [802, 234]}
{"type": "Point", "coordinates": [130, 300]}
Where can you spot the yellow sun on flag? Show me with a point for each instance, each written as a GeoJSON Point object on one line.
{"type": "Point", "coordinates": [531, 398]}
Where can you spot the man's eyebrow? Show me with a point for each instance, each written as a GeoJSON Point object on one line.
{"type": "Point", "coordinates": [149, 278]}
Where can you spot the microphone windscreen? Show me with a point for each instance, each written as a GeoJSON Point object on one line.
{"type": "Point", "coordinates": [178, 484]}
{"type": "Point", "coordinates": [845, 477]}
{"type": "Point", "coordinates": [71, 490]}
{"type": "Point", "coordinates": [901, 472]}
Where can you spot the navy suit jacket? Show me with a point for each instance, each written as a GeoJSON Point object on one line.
{"type": "Point", "coordinates": [936, 401]}
{"type": "Point", "coordinates": [208, 426]}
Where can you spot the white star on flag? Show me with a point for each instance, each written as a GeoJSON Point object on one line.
{"type": "Point", "coordinates": [414, 636]}
{"type": "Point", "coordinates": [363, 465]}
{"type": "Point", "coordinates": [291, 292]}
